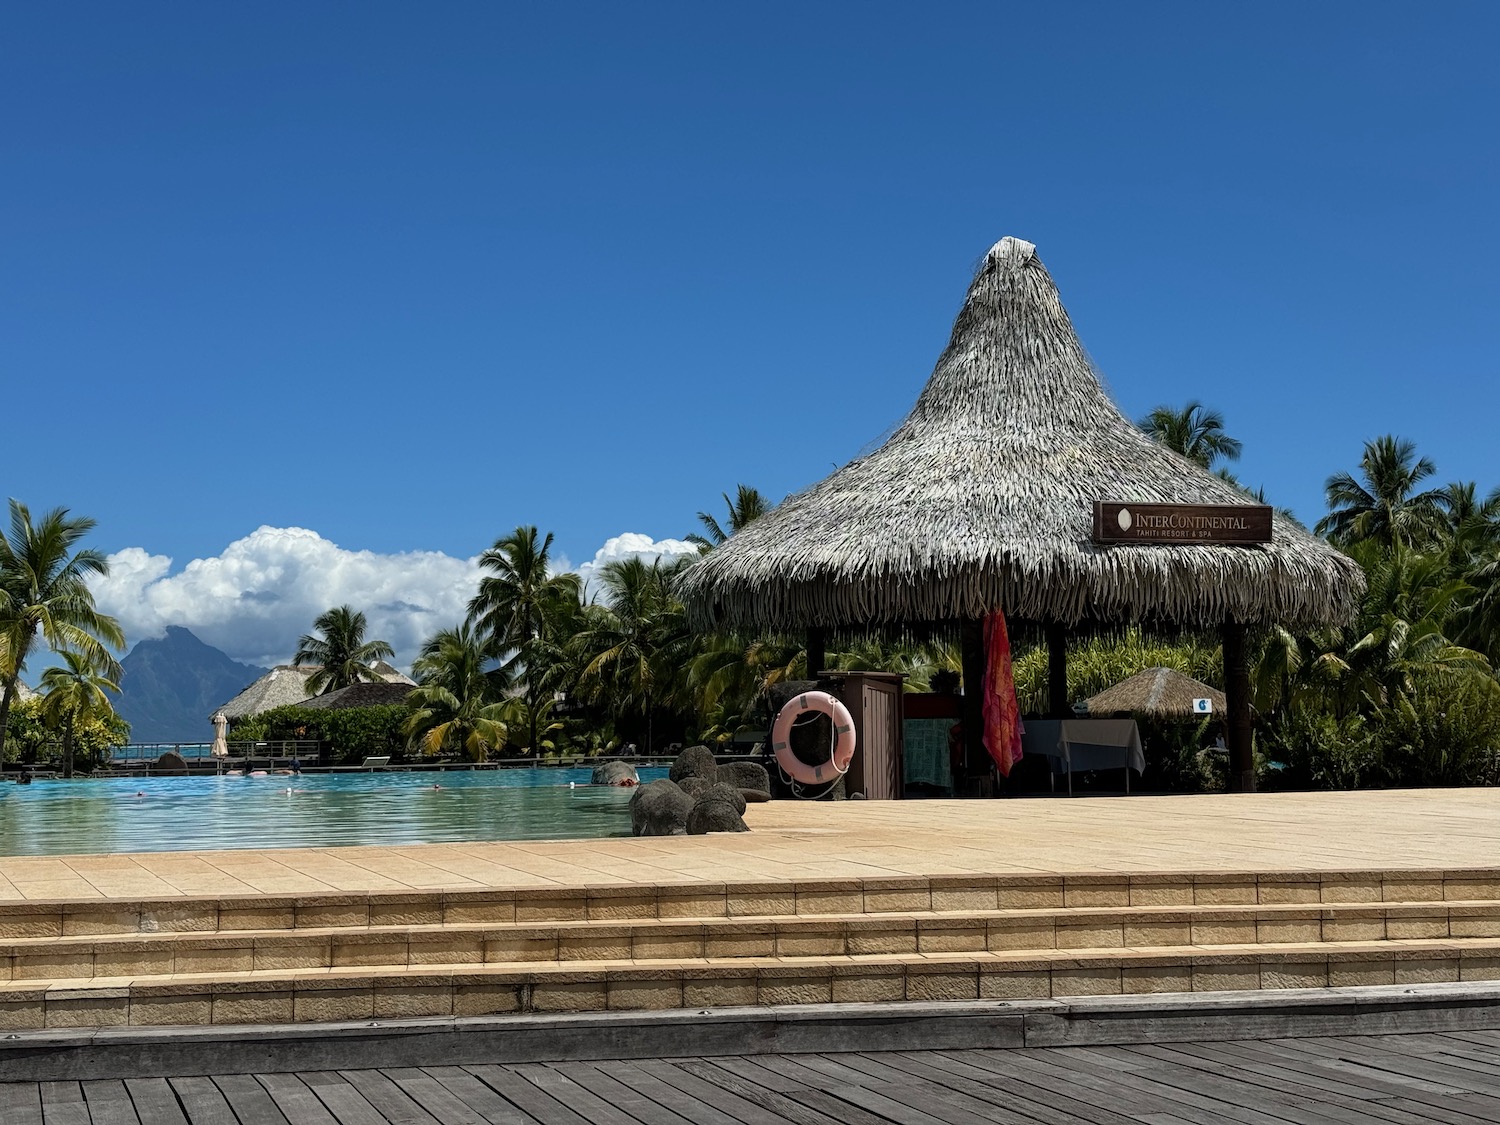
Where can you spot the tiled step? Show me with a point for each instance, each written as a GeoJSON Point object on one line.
{"type": "Point", "coordinates": [805, 935]}
{"type": "Point", "coordinates": [279, 996]}
{"type": "Point", "coordinates": [37, 919]}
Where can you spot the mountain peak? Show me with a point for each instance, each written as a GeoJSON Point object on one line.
{"type": "Point", "coordinates": [173, 682]}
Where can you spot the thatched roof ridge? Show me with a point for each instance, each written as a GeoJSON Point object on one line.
{"type": "Point", "coordinates": [983, 499]}
{"type": "Point", "coordinates": [1161, 692]}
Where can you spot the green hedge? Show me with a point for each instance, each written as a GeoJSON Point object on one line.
{"type": "Point", "coordinates": [352, 733]}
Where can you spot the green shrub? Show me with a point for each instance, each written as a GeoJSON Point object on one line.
{"type": "Point", "coordinates": [351, 733]}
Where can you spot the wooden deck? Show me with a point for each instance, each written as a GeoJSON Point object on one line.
{"type": "Point", "coordinates": [1412, 1078]}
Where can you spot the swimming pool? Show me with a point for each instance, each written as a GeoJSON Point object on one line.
{"type": "Point", "coordinates": [324, 810]}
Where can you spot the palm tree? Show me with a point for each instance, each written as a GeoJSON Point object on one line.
{"type": "Point", "coordinates": [1194, 431]}
{"type": "Point", "coordinates": [748, 505]}
{"type": "Point", "coordinates": [342, 652]}
{"type": "Point", "coordinates": [44, 591]}
{"type": "Point", "coordinates": [1386, 507]}
{"type": "Point", "coordinates": [74, 694]}
{"type": "Point", "coordinates": [637, 645]}
{"type": "Point", "coordinates": [519, 604]}
{"type": "Point", "coordinates": [453, 706]}
{"type": "Point", "coordinates": [1471, 526]}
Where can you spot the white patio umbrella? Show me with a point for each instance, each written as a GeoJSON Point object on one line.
{"type": "Point", "coordinates": [221, 743]}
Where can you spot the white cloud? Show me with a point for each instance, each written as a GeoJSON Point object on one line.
{"type": "Point", "coordinates": [261, 593]}
{"type": "Point", "coordinates": [255, 599]}
{"type": "Point", "coordinates": [632, 544]}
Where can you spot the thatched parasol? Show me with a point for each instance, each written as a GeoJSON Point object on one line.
{"type": "Point", "coordinates": [983, 499]}
{"type": "Point", "coordinates": [1162, 693]}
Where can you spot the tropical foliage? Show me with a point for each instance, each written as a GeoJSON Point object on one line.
{"type": "Point", "coordinates": [342, 654]}
{"type": "Point", "coordinates": [74, 694]}
{"type": "Point", "coordinates": [44, 596]}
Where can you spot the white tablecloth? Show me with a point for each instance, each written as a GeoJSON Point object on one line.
{"type": "Point", "coordinates": [1085, 744]}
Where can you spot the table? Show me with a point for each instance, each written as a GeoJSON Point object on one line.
{"type": "Point", "coordinates": [1086, 744]}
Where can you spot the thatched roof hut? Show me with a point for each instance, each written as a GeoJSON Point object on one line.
{"type": "Point", "coordinates": [984, 497]}
{"type": "Point", "coordinates": [1161, 693]}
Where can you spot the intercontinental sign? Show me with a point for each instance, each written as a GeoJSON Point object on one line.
{"type": "Point", "coordinates": [1116, 522]}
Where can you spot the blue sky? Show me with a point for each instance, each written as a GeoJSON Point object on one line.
{"type": "Point", "coordinates": [407, 276]}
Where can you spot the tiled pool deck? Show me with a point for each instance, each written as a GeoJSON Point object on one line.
{"type": "Point", "coordinates": [1390, 830]}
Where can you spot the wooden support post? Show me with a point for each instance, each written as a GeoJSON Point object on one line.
{"type": "Point", "coordinates": [971, 643]}
{"type": "Point", "coordinates": [817, 651]}
{"type": "Point", "coordinates": [1058, 703]}
{"type": "Point", "coordinates": [1238, 729]}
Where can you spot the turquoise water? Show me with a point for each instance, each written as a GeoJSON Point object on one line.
{"type": "Point", "coordinates": [325, 810]}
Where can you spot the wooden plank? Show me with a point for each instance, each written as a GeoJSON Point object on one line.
{"type": "Point", "coordinates": [941, 1098]}
{"type": "Point", "coordinates": [477, 1096]}
{"type": "Point", "coordinates": [299, 1104]}
{"type": "Point", "coordinates": [154, 1102]}
{"type": "Point", "coordinates": [537, 1103]}
{"type": "Point", "coordinates": [1228, 1089]}
{"type": "Point", "coordinates": [1312, 1088]}
{"type": "Point", "coordinates": [707, 1094]}
{"type": "Point", "coordinates": [109, 1103]}
{"type": "Point", "coordinates": [387, 1099]}
{"type": "Point", "coordinates": [249, 1100]}
{"type": "Point", "coordinates": [750, 1089]}
{"type": "Point", "coordinates": [20, 1103]}
{"type": "Point", "coordinates": [1279, 1088]}
{"type": "Point", "coordinates": [342, 1100]}
{"type": "Point", "coordinates": [1072, 1069]}
{"type": "Point", "coordinates": [1420, 1065]}
{"type": "Point", "coordinates": [759, 1069]}
{"type": "Point", "coordinates": [434, 1097]}
{"type": "Point", "coordinates": [63, 1104]}
{"type": "Point", "coordinates": [202, 1102]}
{"type": "Point", "coordinates": [1024, 1097]}
{"type": "Point", "coordinates": [575, 1095]}
{"type": "Point", "coordinates": [665, 1094]}
{"type": "Point", "coordinates": [633, 1102]}
{"type": "Point", "coordinates": [843, 1084]}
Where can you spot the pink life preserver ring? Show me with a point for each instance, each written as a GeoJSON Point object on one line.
{"type": "Point", "coordinates": [843, 729]}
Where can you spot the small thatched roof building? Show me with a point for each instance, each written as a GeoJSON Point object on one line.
{"type": "Point", "coordinates": [983, 499]}
{"type": "Point", "coordinates": [286, 684]}
{"type": "Point", "coordinates": [1160, 693]}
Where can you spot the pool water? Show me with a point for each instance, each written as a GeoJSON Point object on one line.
{"type": "Point", "coordinates": [322, 810]}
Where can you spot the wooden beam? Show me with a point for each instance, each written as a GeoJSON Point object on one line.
{"type": "Point", "coordinates": [1058, 703]}
{"type": "Point", "coordinates": [971, 643]}
{"type": "Point", "coordinates": [817, 651]}
{"type": "Point", "coordinates": [1238, 726]}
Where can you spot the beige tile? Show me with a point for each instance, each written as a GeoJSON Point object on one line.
{"type": "Point", "coordinates": [644, 995]}
{"type": "Point", "coordinates": [1273, 930]}
{"type": "Point", "coordinates": [319, 1005]}
{"type": "Point", "coordinates": [82, 922]}
{"type": "Point", "coordinates": [1353, 929]}
{"type": "Point", "coordinates": [31, 925]}
{"type": "Point", "coordinates": [657, 947]}
{"type": "Point", "coordinates": [1397, 889]}
{"type": "Point", "coordinates": [1282, 893]}
{"type": "Point", "coordinates": [1461, 927]}
{"type": "Point", "coordinates": [485, 999]}
{"type": "Point", "coordinates": [1227, 892]}
{"type": "Point", "coordinates": [800, 942]}
{"type": "Point", "coordinates": [22, 1015]}
{"type": "Point", "coordinates": [271, 956]}
{"type": "Point", "coordinates": [232, 959]}
{"type": "Point", "coordinates": [133, 963]}
{"type": "Point", "coordinates": [830, 902]}
{"type": "Point", "coordinates": [1220, 932]}
{"type": "Point", "coordinates": [1365, 888]}
{"type": "Point", "coordinates": [258, 918]}
{"type": "Point", "coordinates": [339, 915]}
{"type": "Point", "coordinates": [970, 938]}
{"type": "Point", "coordinates": [897, 939]}
{"type": "Point", "coordinates": [445, 950]}
{"type": "Point", "coordinates": [1021, 935]}
{"type": "Point", "coordinates": [1355, 974]}
{"type": "Point", "coordinates": [1408, 928]}
{"type": "Point", "coordinates": [1177, 893]}
{"type": "Point", "coordinates": [1294, 975]}
{"type": "Point", "coordinates": [520, 948]}
{"type": "Point", "coordinates": [1225, 978]}
{"type": "Point", "coordinates": [739, 943]}
{"type": "Point", "coordinates": [965, 899]}
{"type": "Point", "coordinates": [773, 991]}
{"type": "Point", "coordinates": [56, 964]}
{"type": "Point", "coordinates": [1086, 982]}
{"type": "Point", "coordinates": [869, 988]}
{"type": "Point", "coordinates": [616, 907]}
{"type": "Point", "coordinates": [719, 992]}
{"type": "Point", "coordinates": [670, 904]}
{"type": "Point", "coordinates": [252, 1007]}
{"type": "Point", "coordinates": [569, 996]}
{"type": "Point", "coordinates": [88, 1011]}
{"type": "Point", "coordinates": [497, 912]}
{"type": "Point", "coordinates": [172, 1010]}
{"type": "Point", "coordinates": [1460, 889]}
{"type": "Point", "coordinates": [1078, 894]}
{"type": "Point", "coordinates": [1098, 936]}
{"type": "Point", "coordinates": [403, 1001]}
{"type": "Point", "coordinates": [584, 946]}
{"type": "Point", "coordinates": [1153, 978]}
{"type": "Point", "coordinates": [552, 908]}
{"type": "Point", "coordinates": [1479, 968]}
{"type": "Point", "coordinates": [428, 913]}
{"type": "Point", "coordinates": [756, 904]}
{"type": "Point", "coordinates": [1030, 985]}
{"type": "Point", "coordinates": [1031, 896]}
{"type": "Point", "coordinates": [1435, 971]}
